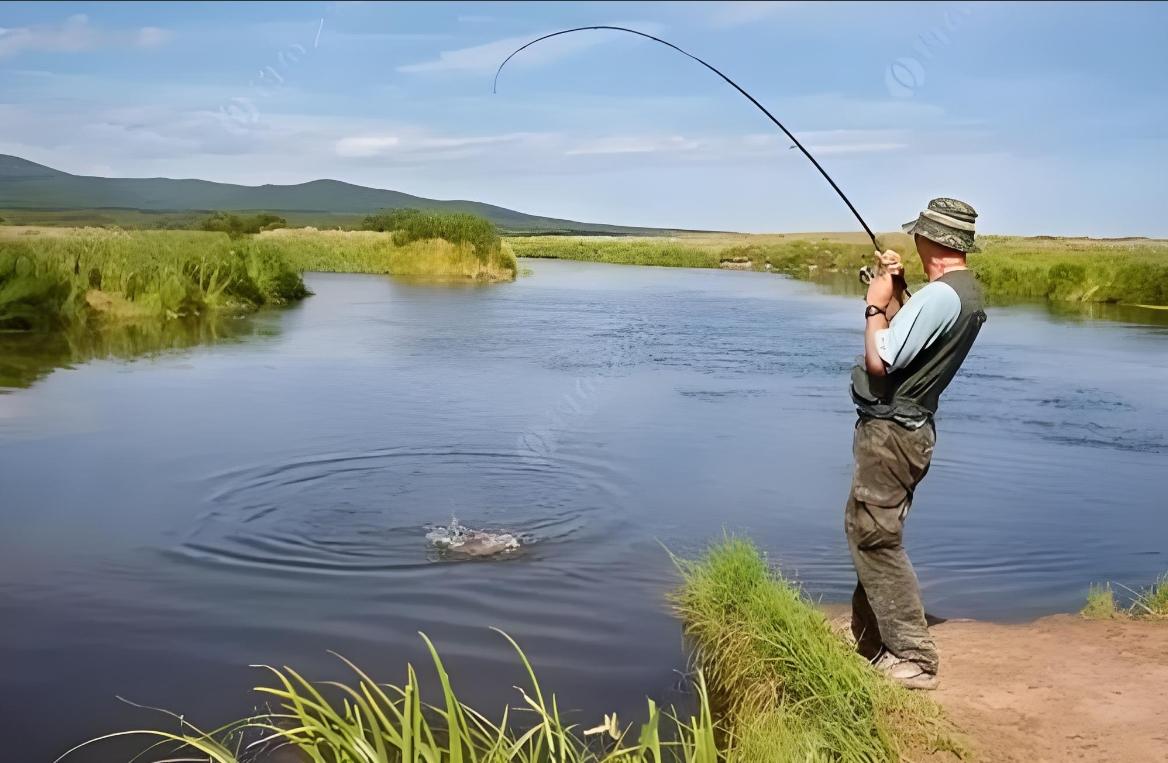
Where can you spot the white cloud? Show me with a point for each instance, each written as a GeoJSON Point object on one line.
{"type": "Point", "coordinates": [152, 36]}
{"type": "Point", "coordinates": [366, 145]}
{"type": "Point", "coordinates": [488, 56]}
{"type": "Point", "coordinates": [74, 35]}
{"type": "Point", "coordinates": [730, 14]}
{"type": "Point", "coordinates": [635, 145]}
{"type": "Point", "coordinates": [414, 144]}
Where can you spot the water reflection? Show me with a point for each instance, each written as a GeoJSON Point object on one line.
{"type": "Point", "coordinates": [27, 357]}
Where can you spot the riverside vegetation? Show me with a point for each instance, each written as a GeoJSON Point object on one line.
{"type": "Point", "coordinates": [1148, 604]}
{"type": "Point", "coordinates": [782, 687]}
{"type": "Point", "coordinates": [51, 278]}
{"type": "Point", "coordinates": [1123, 271]}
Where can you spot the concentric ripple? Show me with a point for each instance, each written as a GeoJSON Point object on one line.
{"type": "Point", "coordinates": [366, 512]}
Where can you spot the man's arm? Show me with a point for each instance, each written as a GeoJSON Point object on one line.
{"type": "Point", "coordinates": [884, 293]}
{"type": "Point", "coordinates": [872, 360]}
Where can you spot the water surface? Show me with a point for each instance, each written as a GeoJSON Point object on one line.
{"type": "Point", "coordinates": [167, 521]}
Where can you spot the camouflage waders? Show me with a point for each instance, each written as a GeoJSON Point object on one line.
{"type": "Point", "coordinates": [886, 607]}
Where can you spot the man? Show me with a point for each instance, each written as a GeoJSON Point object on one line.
{"type": "Point", "coordinates": [912, 349]}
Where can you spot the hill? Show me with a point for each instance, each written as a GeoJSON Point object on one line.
{"type": "Point", "coordinates": [62, 197]}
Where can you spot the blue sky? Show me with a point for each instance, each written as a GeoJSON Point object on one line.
{"type": "Point", "coordinates": [1049, 118]}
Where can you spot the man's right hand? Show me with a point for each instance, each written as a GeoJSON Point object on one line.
{"type": "Point", "coordinates": [889, 262]}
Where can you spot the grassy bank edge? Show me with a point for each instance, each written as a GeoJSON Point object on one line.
{"type": "Point", "coordinates": [787, 686]}
{"type": "Point", "coordinates": [1150, 603]}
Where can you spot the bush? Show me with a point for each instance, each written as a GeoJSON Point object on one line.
{"type": "Point", "coordinates": [237, 225]}
{"type": "Point", "coordinates": [409, 225]}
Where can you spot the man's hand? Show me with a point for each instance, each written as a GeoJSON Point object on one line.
{"type": "Point", "coordinates": [889, 262]}
{"type": "Point", "coordinates": [888, 283]}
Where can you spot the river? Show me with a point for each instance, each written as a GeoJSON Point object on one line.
{"type": "Point", "coordinates": [167, 521]}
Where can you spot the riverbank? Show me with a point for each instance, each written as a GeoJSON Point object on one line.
{"type": "Point", "coordinates": [1070, 270]}
{"type": "Point", "coordinates": [1060, 688]}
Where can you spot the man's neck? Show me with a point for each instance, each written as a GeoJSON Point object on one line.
{"type": "Point", "coordinates": [939, 266]}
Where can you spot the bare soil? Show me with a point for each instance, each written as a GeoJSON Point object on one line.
{"type": "Point", "coordinates": [1059, 689]}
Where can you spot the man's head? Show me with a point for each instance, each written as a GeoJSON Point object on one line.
{"type": "Point", "coordinates": [931, 251]}
{"type": "Point", "coordinates": [944, 229]}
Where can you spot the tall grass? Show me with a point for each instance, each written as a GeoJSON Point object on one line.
{"type": "Point", "coordinates": [376, 252]}
{"type": "Point", "coordinates": [52, 281]}
{"type": "Point", "coordinates": [1150, 603]}
{"type": "Point", "coordinates": [367, 722]}
{"type": "Point", "coordinates": [789, 687]}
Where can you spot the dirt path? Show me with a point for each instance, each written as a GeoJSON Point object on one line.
{"type": "Point", "coordinates": [1058, 689]}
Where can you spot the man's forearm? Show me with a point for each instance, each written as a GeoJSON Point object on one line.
{"type": "Point", "coordinates": [872, 360]}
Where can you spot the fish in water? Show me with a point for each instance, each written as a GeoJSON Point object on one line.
{"type": "Point", "coordinates": [457, 539]}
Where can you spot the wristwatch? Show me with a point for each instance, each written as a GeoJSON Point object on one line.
{"type": "Point", "coordinates": [873, 310]}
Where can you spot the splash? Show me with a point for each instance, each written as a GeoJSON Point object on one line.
{"type": "Point", "coordinates": [458, 539]}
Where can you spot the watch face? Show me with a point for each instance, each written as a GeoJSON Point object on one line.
{"type": "Point", "coordinates": [873, 310]}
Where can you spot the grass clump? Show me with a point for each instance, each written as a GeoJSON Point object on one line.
{"type": "Point", "coordinates": [367, 722]}
{"type": "Point", "coordinates": [789, 687]}
{"type": "Point", "coordinates": [51, 281]}
{"type": "Point", "coordinates": [1150, 603]}
{"type": "Point", "coordinates": [438, 259]}
{"type": "Point", "coordinates": [1101, 603]}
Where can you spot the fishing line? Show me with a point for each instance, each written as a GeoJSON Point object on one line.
{"type": "Point", "coordinates": [732, 83]}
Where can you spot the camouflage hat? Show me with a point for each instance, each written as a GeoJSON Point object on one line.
{"type": "Point", "coordinates": [948, 222]}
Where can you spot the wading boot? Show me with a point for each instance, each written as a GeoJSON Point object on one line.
{"type": "Point", "coordinates": [907, 673]}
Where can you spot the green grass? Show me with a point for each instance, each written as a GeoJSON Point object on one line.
{"type": "Point", "coordinates": [1131, 272]}
{"type": "Point", "coordinates": [50, 280]}
{"type": "Point", "coordinates": [1150, 603]}
{"type": "Point", "coordinates": [791, 689]}
{"type": "Point", "coordinates": [367, 722]}
{"type": "Point", "coordinates": [373, 252]}
{"type": "Point", "coordinates": [1101, 603]}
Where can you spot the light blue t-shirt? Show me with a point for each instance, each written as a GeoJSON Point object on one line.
{"type": "Point", "coordinates": [921, 321]}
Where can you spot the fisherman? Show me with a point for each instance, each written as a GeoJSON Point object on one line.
{"type": "Point", "coordinates": [912, 349]}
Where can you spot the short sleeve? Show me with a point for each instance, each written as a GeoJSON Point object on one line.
{"type": "Point", "coordinates": [926, 316]}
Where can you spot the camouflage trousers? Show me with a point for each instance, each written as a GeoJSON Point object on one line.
{"type": "Point", "coordinates": [886, 607]}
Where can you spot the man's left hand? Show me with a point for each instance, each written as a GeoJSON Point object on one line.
{"type": "Point", "coordinates": [880, 290]}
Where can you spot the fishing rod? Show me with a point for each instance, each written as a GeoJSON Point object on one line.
{"type": "Point", "coordinates": [732, 83]}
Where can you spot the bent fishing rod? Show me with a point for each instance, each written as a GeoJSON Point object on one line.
{"type": "Point", "coordinates": [732, 83]}
{"type": "Point", "coordinates": [866, 273]}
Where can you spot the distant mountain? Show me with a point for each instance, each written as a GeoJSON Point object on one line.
{"type": "Point", "coordinates": [26, 185]}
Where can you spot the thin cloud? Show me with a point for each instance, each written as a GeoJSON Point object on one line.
{"type": "Point", "coordinates": [731, 14]}
{"type": "Point", "coordinates": [635, 145]}
{"type": "Point", "coordinates": [75, 35]}
{"type": "Point", "coordinates": [488, 56]}
{"type": "Point", "coordinates": [399, 146]}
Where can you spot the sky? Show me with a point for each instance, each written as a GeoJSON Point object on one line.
{"type": "Point", "coordinates": [1049, 118]}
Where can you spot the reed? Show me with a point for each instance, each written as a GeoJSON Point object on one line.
{"type": "Point", "coordinates": [1150, 603]}
{"type": "Point", "coordinates": [367, 722]}
{"type": "Point", "coordinates": [50, 281]}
